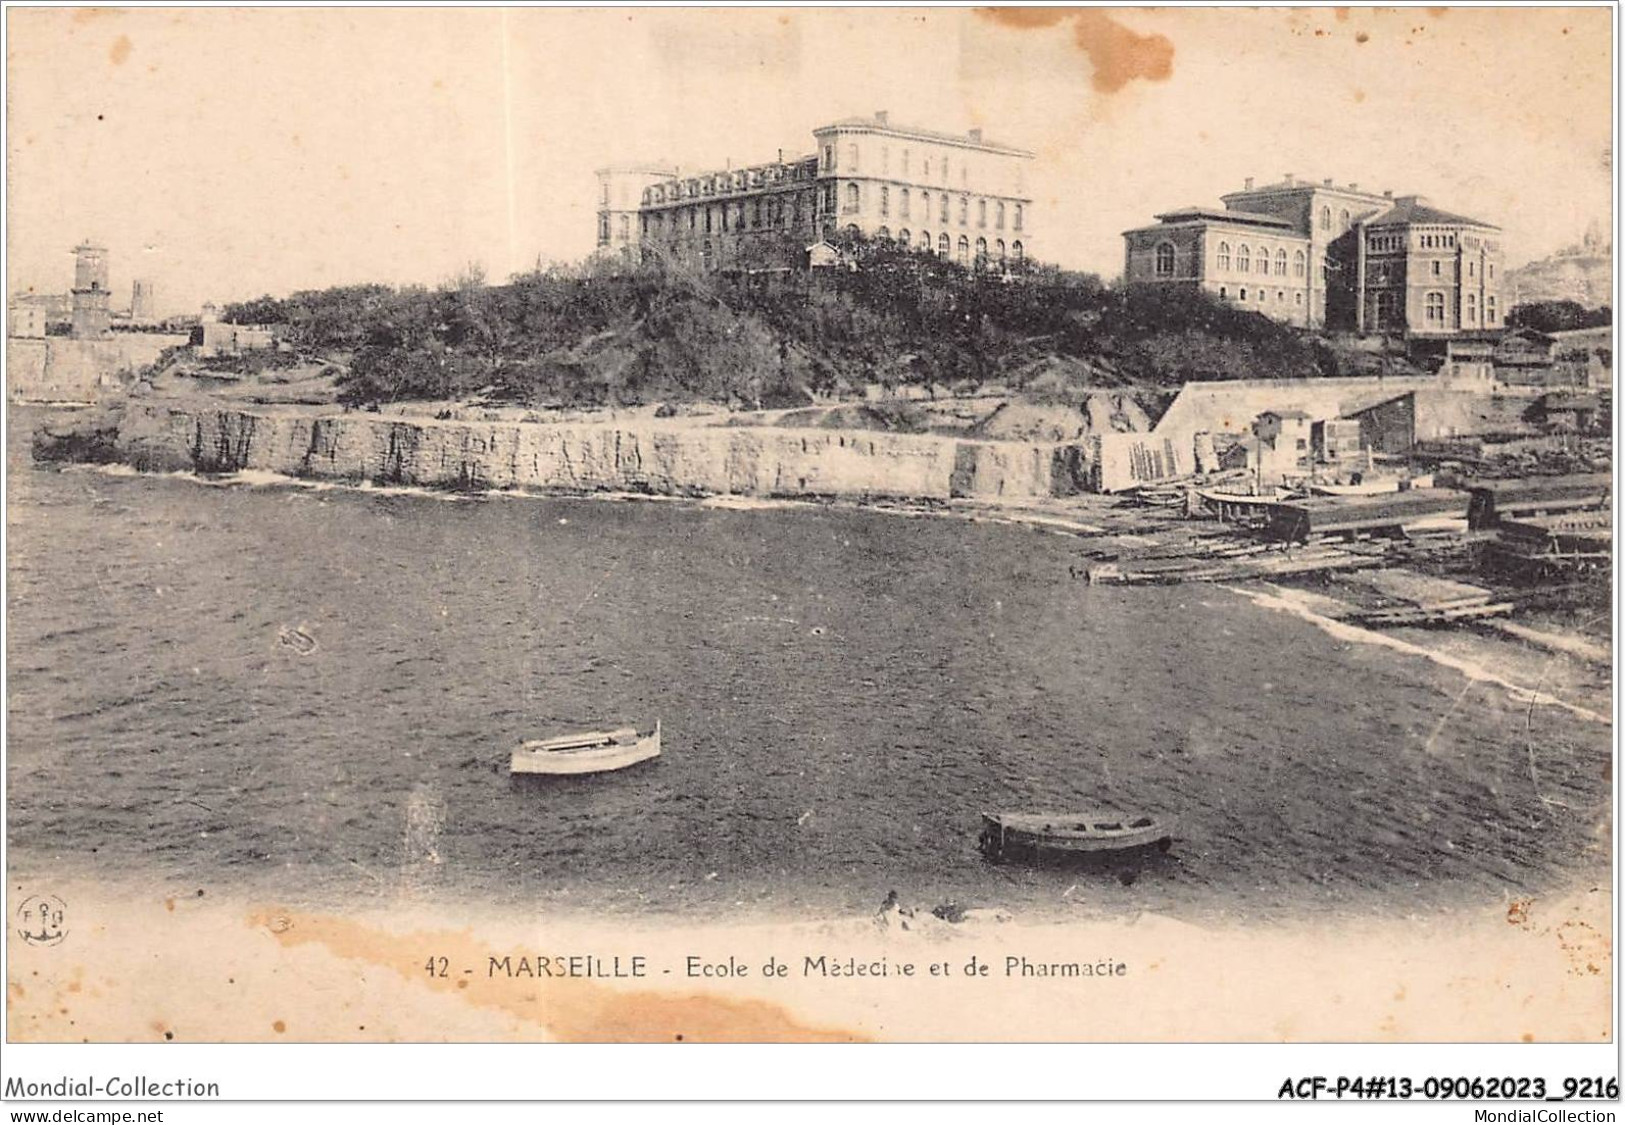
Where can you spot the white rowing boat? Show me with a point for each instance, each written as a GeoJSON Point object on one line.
{"type": "Point", "coordinates": [1007, 835]}
{"type": "Point", "coordinates": [586, 752]}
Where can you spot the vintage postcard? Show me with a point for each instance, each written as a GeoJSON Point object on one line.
{"type": "Point", "coordinates": [911, 525]}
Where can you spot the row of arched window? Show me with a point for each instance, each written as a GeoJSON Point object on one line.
{"type": "Point", "coordinates": [785, 211]}
{"type": "Point", "coordinates": [743, 179]}
{"type": "Point", "coordinates": [1244, 260]}
{"type": "Point", "coordinates": [770, 211]}
{"type": "Point", "coordinates": [996, 215]}
{"type": "Point", "coordinates": [1326, 219]}
{"type": "Point", "coordinates": [962, 250]}
{"type": "Point", "coordinates": [1435, 316]}
{"type": "Point", "coordinates": [943, 246]}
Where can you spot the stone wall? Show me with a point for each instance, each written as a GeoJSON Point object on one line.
{"type": "Point", "coordinates": [1230, 406]}
{"type": "Point", "coordinates": [62, 369]}
{"type": "Point", "coordinates": [661, 459]}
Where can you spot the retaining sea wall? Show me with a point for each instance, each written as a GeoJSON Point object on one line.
{"type": "Point", "coordinates": [651, 457]}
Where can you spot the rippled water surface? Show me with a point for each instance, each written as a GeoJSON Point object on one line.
{"type": "Point", "coordinates": [841, 693]}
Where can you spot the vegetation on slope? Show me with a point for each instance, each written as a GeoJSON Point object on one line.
{"type": "Point", "coordinates": [658, 333]}
{"type": "Point", "coordinates": [1559, 316]}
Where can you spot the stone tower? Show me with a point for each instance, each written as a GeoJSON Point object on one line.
{"type": "Point", "coordinates": [143, 303]}
{"type": "Point", "coordinates": [90, 291]}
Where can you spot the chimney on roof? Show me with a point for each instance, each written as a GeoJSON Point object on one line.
{"type": "Point", "coordinates": [781, 156]}
{"type": "Point", "coordinates": [1326, 183]}
{"type": "Point", "coordinates": [881, 115]}
{"type": "Point", "coordinates": [1388, 193]}
{"type": "Point", "coordinates": [976, 135]}
{"type": "Point", "coordinates": [1247, 184]}
{"type": "Point", "coordinates": [1354, 187]}
{"type": "Point", "coordinates": [1289, 178]}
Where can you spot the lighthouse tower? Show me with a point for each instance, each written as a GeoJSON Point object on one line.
{"type": "Point", "coordinates": [90, 291]}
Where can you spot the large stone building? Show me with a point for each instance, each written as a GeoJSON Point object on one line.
{"type": "Point", "coordinates": [956, 195]}
{"type": "Point", "coordinates": [1330, 256]}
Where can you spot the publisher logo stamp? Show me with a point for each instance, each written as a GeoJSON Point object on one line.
{"type": "Point", "coordinates": [42, 920]}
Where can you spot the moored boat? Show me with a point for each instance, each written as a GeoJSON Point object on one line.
{"type": "Point", "coordinates": [586, 752]}
{"type": "Point", "coordinates": [1070, 833]}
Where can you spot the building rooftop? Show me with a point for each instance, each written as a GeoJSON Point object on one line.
{"type": "Point", "coordinates": [1414, 209]}
{"type": "Point", "coordinates": [1600, 332]}
{"type": "Point", "coordinates": [881, 122]}
{"type": "Point", "coordinates": [1292, 183]}
{"type": "Point", "coordinates": [647, 169]}
{"type": "Point", "coordinates": [1221, 214]}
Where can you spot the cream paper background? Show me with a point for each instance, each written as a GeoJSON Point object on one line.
{"type": "Point", "coordinates": [232, 152]}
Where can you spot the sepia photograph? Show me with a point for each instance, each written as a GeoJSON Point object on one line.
{"type": "Point", "coordinates": [908, 525]}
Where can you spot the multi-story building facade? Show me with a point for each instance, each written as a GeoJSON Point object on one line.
{"type": "Point", "coordinates": [1329, 256]}
{"type": "Point", "coordinates": [1252, 259]}
{"type": "Point", "coordinates": [620, 195]}
{"type": "Point", "coordinates": [1424, 272]}
{"type": "Point", "coordinates": [957, 195]}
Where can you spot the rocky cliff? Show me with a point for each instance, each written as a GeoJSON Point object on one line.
{"type": "Point", "coordinates": [651, 457]}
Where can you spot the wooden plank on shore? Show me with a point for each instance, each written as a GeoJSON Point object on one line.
{"type": "Point", "coordinates": [1423, 616]}
{"type": "Point", "coordinates": [1599, 655]}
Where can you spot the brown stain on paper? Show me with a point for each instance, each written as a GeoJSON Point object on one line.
{"type": "Point", "coordinates": [572, 1010]}
{"type": "Point", "coordinates": [120, 50]}
{"type": "Point", "coordinates": [1117, 54]}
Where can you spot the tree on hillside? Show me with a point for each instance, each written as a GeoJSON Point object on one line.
{"type": "Point", "coordinates": [1558, 316]}
{"type": "Point", "coordinates": [260, 310]}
